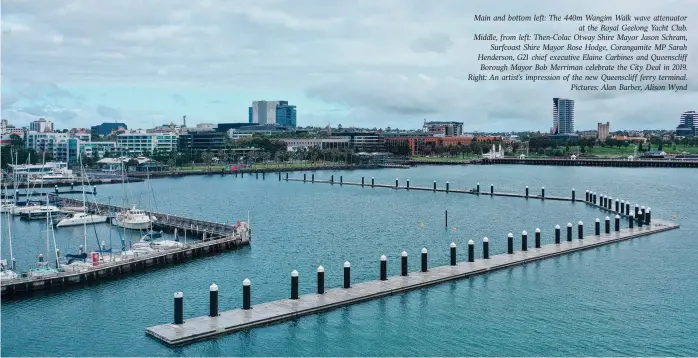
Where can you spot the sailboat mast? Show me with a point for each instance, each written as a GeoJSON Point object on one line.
{"type": "Point", "coordinates": [84, 203]}
{"type": "Point", "coordinates": [55, 248]}
{"type": "Point", "coordinates": [47, 227]}
{"type": "Point", "coordinates": [9, 233]}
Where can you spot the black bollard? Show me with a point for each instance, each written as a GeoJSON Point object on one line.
{"type": "Point", "coordinates": [332, 179]}
{"type": "Point", "coordinates": [580, 230]}
{"type": "Point", "coordinates": [213, 301]}
{"type": "Point", "coordinates": [510, 243]}
{"type": "Point", "coordinates": [627, 208]}
{"type": "Point", "coordinates": [527, 191]}
{"type": "Point", "coordinates": [637, 210]}
{"type": "Point", "coordinates": [569, 232]}
{"type": "Point", "coordinates": [446, 218]}
{"type": "Point", "coordinates": [593, 198]}
{"type": "Point", "coordinates": [631, 221]}
{"type": "Point", "coordinates": [491, 189]}
{"type": "Point", "coordinates": [617, 226]}
{"type": "Point", "coordinates": [448, 187]}
{"type": "Point", "coordinates": [94, 190]}
{"type": "Point", "coordinates": [424, 260]}
{"type": "Point", "coordinates": [56, 189]}
{"type": "Point", "coordinates": [434, 185]}
{"type": "Point", "coordinates": [178, 308]}
{"type": "Point", "coordinates": [537, 238]}
{"type": "Point", "coordinates": [574, 198]}
{"type": "Point", "coordinates": [256, 175]}
{"type": "Point", "coordinates": [607, 225]}
{"type": "Point", "coordinates": [478, 188]}
{"type": "Point", "coordinates": [643, 213]}
{"type": "Point", "coordinates": [586, 196]}
{"type": "Point", "coordinates": [617, 204]}
{"type": "Point", "coordinates": [396, 182]}
{"type": "Point", "coordinates": [485, 248]}
{"type": "Point", "coordinates": [557, 234]}
{"type": "Point", "coordinates": [524, 241]}
{"type": "Point", "coordinates": [246, 294]}
{"type": "Point", "coordinates": [373, 180]}
{"type": "Point", "coordinates": [453, 254]}
{"type": "Point", "coordinates": [648, 216]}
{"type": "Point", "coordinates": [286, 176]}
{"type": "Point", "coordinates": [347, 274]}
{"type": "Point", "coordinates": [542, 192]}
{"type": "Point", "coordinates": [640, 219]}
{"type": "Point", "coordinates": [471, 251]}
{"type": "Point", "coordinates": [304, 176]}
{"type": "Point", "coordinates": [362, 181]}
{"type": "Point", "coordinates": [279, 176]}
{"type": "Point", "coordinates": [610, 203]}
{"type": "Point", "coordinates": [341, 180]}
{"type": "Point", "coordinates": [294, 285]}
{"type": "Point", "coordinates": [597, 227]}
{"type": "Point", "coordinates": [312, 178]}
{"type": "Point", "coordinates": [403, 258]}
{"type": "Point", "coordinates": [384, 268]}
{"type": "Point", "coordinates": [320, 280]}
{"type": "Point", "coordinates": [407, 184]}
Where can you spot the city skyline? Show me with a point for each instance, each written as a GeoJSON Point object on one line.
{"type": "Point", "coordinates": [367, 65]}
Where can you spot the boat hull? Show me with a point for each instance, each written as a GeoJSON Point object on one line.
{"type": "Point", "coordinates": [140, 225]}
{"type": "Point", "coordinates": [92, 219]}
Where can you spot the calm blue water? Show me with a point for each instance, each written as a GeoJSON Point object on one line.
{"type": "Point", "coordinates": [632, 298]}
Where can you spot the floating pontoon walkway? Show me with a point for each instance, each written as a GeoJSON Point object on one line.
{"type": "Point", "coordinates": [198, 328]}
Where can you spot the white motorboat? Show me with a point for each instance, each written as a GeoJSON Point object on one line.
{"type": "Point", "coordinates": [39, 212]}
{"type": "Point", "coordinates": [134, 219]}
{"type": "Point", "coordinates": [5, 272]}
{"type": "Point", "coordinates": [80, 219]}
{"type": "Point", "coordinates": [7, 208]}
{"type": "Point", "coordinates": [20, 210]}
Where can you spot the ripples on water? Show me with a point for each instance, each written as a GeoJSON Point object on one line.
{"type": "Point", "coordinates": [630, 298]}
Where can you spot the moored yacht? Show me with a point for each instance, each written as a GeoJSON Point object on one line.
{"type": "Point", "coordinates": [134, 219]}
{"type": "Point", "coordinates": [39, 212]}
{"type": "Point", "coordinates": [80, 219]}
{"type": "Point", "coordinates": [5, 272]}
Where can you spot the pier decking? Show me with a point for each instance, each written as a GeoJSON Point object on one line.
{"type": "Point", "coordinates": [198, 328]}
{"type": "Point", "coordinates": [597, 162]}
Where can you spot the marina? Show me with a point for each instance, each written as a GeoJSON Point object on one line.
{"type": "Point", "coordinates": [198, 328]}
{"type": "Point", "coordinates": [596, 162]}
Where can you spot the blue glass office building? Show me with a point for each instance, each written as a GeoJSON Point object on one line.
{"type": "Point", "coordinates": [563, 116]}
{"type": "Point", "coordinates": [286, 115]}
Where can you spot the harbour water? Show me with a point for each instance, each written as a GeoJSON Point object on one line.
{"type": "Point", "coordinates": [631, 298]}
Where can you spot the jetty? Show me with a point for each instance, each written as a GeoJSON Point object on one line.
{"type": "Point", "coordinates": [198, 328]}
{"type": "Point", "coordinates": [214, 238]}
{"type": "Point", "coordinates": [596, 162]}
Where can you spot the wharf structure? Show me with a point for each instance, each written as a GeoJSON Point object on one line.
{"type": "Point", "coordinates": [215, 238]}
{"type": "Point", "coordinates": [596, 162]}
{"type": "Point", "coordinates": [185, 331]}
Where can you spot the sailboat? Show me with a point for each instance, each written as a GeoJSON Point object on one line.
{"type": "Point", "coordinates": [7, 272]}
{"type": "Point", "coordinates": [82, 218]}
{"type": "Point", "coordinates": [134, 218]}
{"type": "Point", "coordinates": [149, 239]}
{"type": "Point", "coordinates": [41, 267]}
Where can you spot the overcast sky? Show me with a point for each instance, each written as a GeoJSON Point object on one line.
{"type": "Point", "coordinates": [363, 63]}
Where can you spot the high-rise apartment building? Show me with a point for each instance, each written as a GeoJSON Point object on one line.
{"type": "Point", "coordinates": [688, 124]}
{"type": "Point", "coordinates": [448, 129]}
{"type": "Point", "coordinates": [602, 131]}
{"type": "Point", "coordinates": [563, 116]}
{"type": "Point", "coordinates": [272, 112]}
{"type": "Point", "coordinates": [41, 125]}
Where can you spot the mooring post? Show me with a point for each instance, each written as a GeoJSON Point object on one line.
{"type": "Point", "coordinates": [446, 218]}
{"type": "Point", "coordinates": [610, 203]}
{"type": "Point", "coordinates": [246, 294]}
{"type": "Point", "coordinates": [453, 254]}
{"type": "Point", "coordinates": [403, 258]}
{"type": "Point", "coordinates": [56, 189]}
{"type": "Point", "coordinates": [372, 181]}
{"type": "Point", "coordinates": [510, 243]}
{"type": "Point", "coordinates": [478, 188]}
{"type": "Point", "coordinates": [384, 268]}
{"type": "Point", "coordinates": [491, 189]}
{"type": "Point", "coordinates": [597, 227]}
{"type": "Point", "coordinates": [434, 185]}
{"type": "Point", "coordinates": [557, 234]}
{"type": "Point", "coordinates": [213, 300]}
{"type": "Point", "coordinates": [573, 195]}
{"type": "Point", "coordinates": [320, 280]}
{"type": "Point", "coordinates": [178, 307]}
{"type": "Point", "coordinates": [542, 192]}
{"type": "Point", "coordinates": [641, 217]}
{"type": "Point", "coordinates": [485, 248]}
{"type": "Point", "coordinates": [279, 176]}
{"type": "Point", "coordinates": [569, 231]}
{"type": "Point", "coordinates": [94, 190]}
{"type": "Point", "coordinates": [396, 183]}
{"type": "Point", "coordinates": [362, 181]}
{"type": "Point", "coordinates": [312, 178]}
{"type": "Point", "coordinates": [537, 238]}
{"type": "Point", "coordinates": [304, 176]}
{"type": "Point", "coordinates": [471, 251]}
{"type": "Point", "coordinates": [256, 175]}
{"type": "Point", "coordinates": [637, 211]}
{"type": "Point", "coordinates": [648, 216]}
{"type": "Point", "coordinates": [341, 180]}
{"type": "Point", "coordinates": [294, 285]}
{"type": "Point", "coordinates": [617, 226]}
{"type": "Point", "coordinates": [607, 225]}
{"type": "Point", "coordinates": [407, 184]}
{"type": "Point", "coordinates": [332, 179]}
{"type": "Point", "coordinates": [631, 221]}
{"type": "Point", "coordinates": [643, 214]}
{"type": "Point", "coordinates": [448, 187]}
{"type": "Point", "coordinates": [617, 204]}
{"type": "Point", "coordinates": [627, 207]}
{"type": "Point", "coordinates": [580, 230]}
{"type": "Point", "coordinates": [526, 191]}
{"type": "Point", "coordinates": [524, 241]}
{"type": "Point", "coordinates": [286, 176]}
{"type": "Point", "coordinates": [586, 196]}
{"type": "Point", "coordinates": [424, 260]}
{"type": "Point", "coordinates": [347, 274]}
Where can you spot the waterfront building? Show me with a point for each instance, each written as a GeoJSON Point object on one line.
{"type": "Point", "coordinates": [146, 143]}
{"type": "Point", "coordinates": [41, 125]}
{"type": "Point", "coordinates": [688, 124]}
{"type": "Point", "coordinates": [448, 129]}
{"type": "Point", "coordinates": [563, 116]}
{"type": "Point", "coordinates": [630, 139]}
{"type": "Point", "coordinates": [323, 143]}
{"type": "Point", "coordinates": [106, 129]}
{"type": "Point", "coordinates": [602, 131]}
{"type": "Point", "coordinates": [101, 149]}
{"type": "Point", "coordinates": [224, 127]}
{"type": "Point", "coordinates": [364, 141]}
{"type": "Point", "coordinates": [249, 115]}
{"type": "Point", "coordinates": [203, 140]}
{"type": "Point", "coordinates": [54, 144]}
{"type": "Point", "coordinates": [286, 115]}
{"type": "Point", "coordinates": [421, 144]}
{"type": "Point", "coordinates": [247, 131]}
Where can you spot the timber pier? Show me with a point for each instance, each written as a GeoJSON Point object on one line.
{"type": "Point", "coordinates": [595, 162]}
